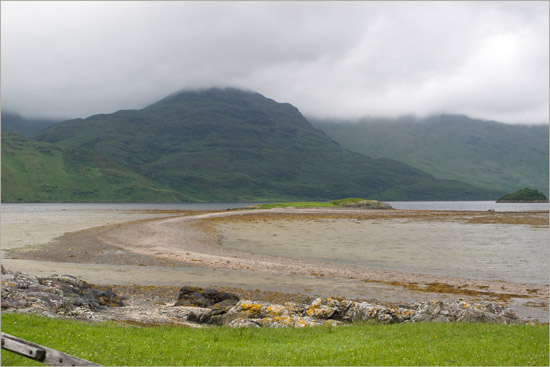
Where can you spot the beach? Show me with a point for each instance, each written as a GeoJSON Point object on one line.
{"type": "Point", "coordinates": [187, 248]}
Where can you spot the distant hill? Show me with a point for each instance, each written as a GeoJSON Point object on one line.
{"type": "Point", "coordinates": [232, 145]}
{"type": "Point", "coordinates": [15, 123]}
{"type": "Point", "coordinates": [483, 153]}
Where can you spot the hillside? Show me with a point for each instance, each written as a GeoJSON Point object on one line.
{"type": "Point", "coordinates": [43, 172]}
{"type": "Point", "coordinates": [483, 153]}
{"type": "Point", "coordinates": [231, 145]}
{"type": "Point", "coordinates": [15, 123]}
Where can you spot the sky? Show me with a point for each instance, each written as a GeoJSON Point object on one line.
{"type": "Point", "coordinates": [342, 60]}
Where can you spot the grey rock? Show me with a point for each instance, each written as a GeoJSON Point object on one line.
{"type": "Point", "coordinates": [211, 298]}
{"type": "Point", "coordinates": [55, 295]}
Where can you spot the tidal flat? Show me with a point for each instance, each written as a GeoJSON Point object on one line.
{"type": "Point", "coordinates": [289, 250]}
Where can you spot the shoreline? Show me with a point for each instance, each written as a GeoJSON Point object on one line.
{"type": "Point", "coordinates": [192, 241]}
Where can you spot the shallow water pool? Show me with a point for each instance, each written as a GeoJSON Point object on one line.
{"type": "Point", "coordinates": [515, 253]}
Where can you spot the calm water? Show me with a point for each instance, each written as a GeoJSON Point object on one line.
{"type": "Point", "coordinates": [47, 207]}
{"type": "Point", "coordinates": [515, 253]}
{"type": "Point", "coordinates": [412, 205]}
{"type": "Point", "coordinates": [470, 206]}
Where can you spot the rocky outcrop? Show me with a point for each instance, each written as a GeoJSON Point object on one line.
{"type": "Point", "coordinates": [335, 312]}
{"type": "Point", "coordinates": [68, 296]}
{"type": "Point", "coordinates": [55, 295]}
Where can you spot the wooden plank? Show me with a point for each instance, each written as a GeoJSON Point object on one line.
{"type": "Point", "coordinates": [38, 354]}
{"type": "Point", "coordinates": [41, 353]}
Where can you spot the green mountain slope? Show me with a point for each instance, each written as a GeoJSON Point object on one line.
{"type": "Point", "coordinates": [14, 123]}
{"type": "Point", "coordinates": [231, 145]}
{"type": "Point", "coordinates": [43, 172]}
{"type": "Point", "coordinates": [483, 153]}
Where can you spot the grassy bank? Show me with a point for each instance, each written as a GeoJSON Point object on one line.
{"type": "Point", "coordinates": [314, 204]}
{"type": "Point", "coordinates": [364, 344]}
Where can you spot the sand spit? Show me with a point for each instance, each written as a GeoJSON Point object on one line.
{"type": "Point", "coordinates": [193, 240]}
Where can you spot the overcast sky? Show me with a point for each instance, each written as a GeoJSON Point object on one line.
{"type": "Point", "coordinates": [329, 59]}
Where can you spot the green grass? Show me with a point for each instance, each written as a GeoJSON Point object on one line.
{"type": "Point", "coordinates": [42, 172]}
{"type": "Point", "coordinates": [311, 204]}
{"type": "Point", "coordinates": [363, 344]}
{"type": "Point", "coordinates": [297, 204]}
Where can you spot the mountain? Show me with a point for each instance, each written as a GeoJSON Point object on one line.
{"type": "Point", "coordinates": [234, 145]}
{"type": "Point", "coordinates": [43, 172]}
{"type": "Point", "coordinates": [15, 123]}
{"type": "Point", "coordinates": [483, 153]}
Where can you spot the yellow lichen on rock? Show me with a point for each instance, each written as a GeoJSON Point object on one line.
{"type": "Point", "coordinates": [276, 310]}
{"type": "Point", "coordinates": [300, 323]}
{"type": "Point", "coordinates": [251, 307]}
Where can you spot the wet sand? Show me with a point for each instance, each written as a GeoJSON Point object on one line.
{"type": "Point", "coordinates": [192, 241]}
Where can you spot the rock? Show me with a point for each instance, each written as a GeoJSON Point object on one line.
{"type": "Point", "coordinates": [206, 298]}
{"type": "Point", "coordinates": [214, 304]}
{"type": "Point", "coordinates": [464, 311]}
{"type": "Point", "coordinates": [205, 317]}
{"type": "Point", "coordinates": [268, 315]}
{"type": "Point", "coordinates": [108, 297]}
{"type": "Point", "coordinates": [55, 295]}
{"type": "Point", "coordinates": [81, 292]}
{"type": "Point", "coordinates": [244, 323]}
{"type": "Point", "coordinates": [335, 312]}
{"type": "Point", "coordinates": [69, 296]}
{"type": "Point", "coordinates": [329, 308]}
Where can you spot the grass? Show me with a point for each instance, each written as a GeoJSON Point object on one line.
{"type": "Point", "coordinates": [110, 343]}
{"type": "Point", "coordinates": [311, 204]}
{"type": "Point", "coordinates": [297, 204]}
{"type": "Point", "coordinates": [42, 172]}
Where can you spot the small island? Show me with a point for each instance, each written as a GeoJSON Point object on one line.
{"type": "Point", "coordinates": [524, 196]}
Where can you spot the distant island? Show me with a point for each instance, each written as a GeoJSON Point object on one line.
{"type": "Point", "coordinates": [524, 196]}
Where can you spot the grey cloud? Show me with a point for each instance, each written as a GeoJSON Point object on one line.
{"type": "Point", "coordinates": [330, 59]}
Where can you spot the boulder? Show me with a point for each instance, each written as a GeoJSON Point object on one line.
{"type": "Point", "coordinates": [206, 298]}
{"type": "Point", "coordinates": [213, 304]}
{"type": "Point", "coordinates": [256, 314]}
{"type": "Point", "coordinates": [55, 295]}
{"type": "Point", "coordinates": [207, 316]}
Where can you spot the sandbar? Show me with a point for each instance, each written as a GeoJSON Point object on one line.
{"type": "Point", "coordinates": [192, 240]}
